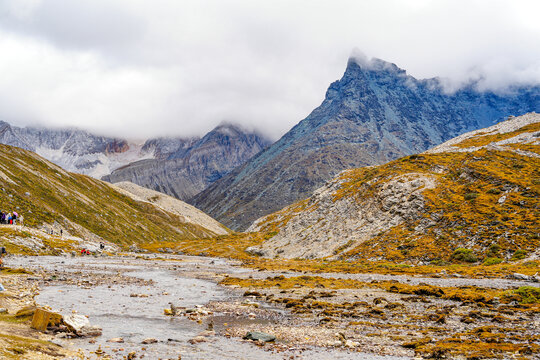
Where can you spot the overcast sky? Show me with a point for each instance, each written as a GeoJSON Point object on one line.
{"type": "Point", "coordinates": [139, 68]}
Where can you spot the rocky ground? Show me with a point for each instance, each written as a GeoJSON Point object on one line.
{"type": "Point", "coordinates": [312, 316]}
{"type": "Point", "coordinates": [17, 339]}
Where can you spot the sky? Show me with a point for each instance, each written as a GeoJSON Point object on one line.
{"type": "Point", "coordinates": [139, 69]}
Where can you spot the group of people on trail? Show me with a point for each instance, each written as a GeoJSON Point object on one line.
{"type": "Point", "coordinates": [85, 251]}
{"type": "Point", "coordinates": [10, 218]}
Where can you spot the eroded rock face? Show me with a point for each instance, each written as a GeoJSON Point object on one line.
{"type": "Point", "coordinates": [330, 223]}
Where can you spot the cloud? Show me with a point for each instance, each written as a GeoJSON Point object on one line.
{"type": "Point", "coordinates": [135, 68]}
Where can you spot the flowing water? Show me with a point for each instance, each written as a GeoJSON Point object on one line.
{"type": "Point", "coordinates": [112, 307]}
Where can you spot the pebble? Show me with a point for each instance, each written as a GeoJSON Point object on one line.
{"type": "Point", "coordinates": [149, 341]}
{"type": "Point", "coordinates": [116, 340]}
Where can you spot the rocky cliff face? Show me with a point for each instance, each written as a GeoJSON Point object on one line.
{"type": "Point", "coordinates": [191, 166]}
{"type": "Point", "coordinates": [478, 191]}
{"type": "Point", "coordinates": [374, 114]}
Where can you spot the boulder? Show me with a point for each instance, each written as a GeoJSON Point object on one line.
{"type": "Point", "coordinates": [76, 322]}
{"type": "Point", "coordinates": [44, 318]}
{"type": "Point", "coordinates": [259, 336]}
{"type": "Point", "coordinates": [80, 325]}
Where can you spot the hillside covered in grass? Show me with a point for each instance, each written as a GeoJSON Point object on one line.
{"type": "Point", "coordinates": [50, 198]}
{"type": "Point", "coordinates": [472, 199]}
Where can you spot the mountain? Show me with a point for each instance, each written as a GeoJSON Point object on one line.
{"type": "Point", "coordinates": [375, 113]}
{"type": "Point", "coordinates": [73, 149]}
{"type": "Point", "coordinates": [190, 168]}
{"type": "Point", "coordinates": [472, 198]}
{"type": "Point", "coordinates": [50, 197]}
{"type": "Point", "coordinates": [180, 167]}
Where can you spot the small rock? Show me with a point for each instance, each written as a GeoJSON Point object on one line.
{"type": "Point", "coordinates": [351, 344]}
{"type": "Point", "coordinates": [197, 339]}
{"type": "Point", "coordinates": [149, 341]}
{"type": "Point", "coordinates": [118, 340]}
{"type": "Point", "coordinates": [255, 335]}
{"type": "Point", "coordinates": [3, 311]}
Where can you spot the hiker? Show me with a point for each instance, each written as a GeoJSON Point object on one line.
{"type": "Point", "coordinates": [102, 246]}
{"type": "Point", "coordinates": [87, 252]}
{"type": "Point", "coordinates": [15, 216]}
{"type": "Point", "coordinates": [2, 253]}
{"type": "Point", "coordinates": [21, 220]}
{"type": "Point", "coordinates": [2, 217]}
{"type": "Point", "coordinates": [9, 219]}
{"type": "Point", "coordinates": [83, 251]}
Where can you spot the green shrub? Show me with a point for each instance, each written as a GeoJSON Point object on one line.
{"type": "Point", "coordinates": [519, 254]}
{"type": "Point", "coordinates": [494, 191]}
{"type": "Point", "coordinates": [528, 294]}
{"type": "Point", "coordinates": [465, 255]}
{"type": "Point", "coordinates": [493, 250]}
{"type": "Point", "coordinates": [470, 196]}
{"type": "Point", "coordinates": [492, 261]}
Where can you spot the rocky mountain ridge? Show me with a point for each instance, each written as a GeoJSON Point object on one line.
{"type": "Point", "coordinates": [375, 113]}
{"type": "Point", "coordinates": [178, 166]}
{"type": "Point", "coordinates": [183, 171]}
{"type": "Point", "coordinates": [477, 192]}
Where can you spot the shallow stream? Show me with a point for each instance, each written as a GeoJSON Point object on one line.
{"type": "Point", "coordinates": [136, 318]}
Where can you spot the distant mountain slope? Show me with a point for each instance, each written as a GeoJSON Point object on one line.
{"type": "Point", "coordinates": [47, 196]}
{"type": "Point", "coordinates": [74, 150]}
{"type": "Point", "coordinates": [374, 114]}
{"type": "Point", "coordinates": [190, 169]}
{"type": "Point", "coordinates": [479, 192]}
{"type": "Point", "coordinates": [168, 203]}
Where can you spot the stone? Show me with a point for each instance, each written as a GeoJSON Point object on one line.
{"type": "Point", "coordinates": [117, 340]}
{"type": "Point", "coordinates": [90, 331]}
{"type": "Point", "coordinates": [44, 318]}
{"type": "Point", "coordinates": [26, 311]}
{"type": "Point", "coordinates": [149, 341]}
{"type": "Point", "coordinates": [76, 322]}
{"type": "Point", "coordinates": [3, 311]}
{"type": "Point", "coordinates": [197, 339]}
{"type": "Point", "coordinates": [256, 335]}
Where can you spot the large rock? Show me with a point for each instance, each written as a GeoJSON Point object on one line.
{"type": "Point", "coordinates": [80, 325]}
{"type": "Point", "coordinates": [259, 336]}
{"type": "Point", "coordinates": [44, 318]}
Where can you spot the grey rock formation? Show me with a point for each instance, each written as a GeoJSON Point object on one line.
{"type": "Point", "coordinates": [374, 114]}
{"type": "Point", "coordinates": [193, 165]}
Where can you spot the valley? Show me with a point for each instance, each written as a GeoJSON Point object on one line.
{"type": "Point", "coordinates": [382, 244]}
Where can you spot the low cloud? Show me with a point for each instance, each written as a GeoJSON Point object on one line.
{"type": "Point", "coordinates": [136, 69]}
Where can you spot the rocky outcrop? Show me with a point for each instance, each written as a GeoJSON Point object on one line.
{"type": "Point", "coordinates": [184, 169]}
{"type": "Point", "coordinates": [329, 223]}
{"type": "Point", "coordinates": [374, 114]}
